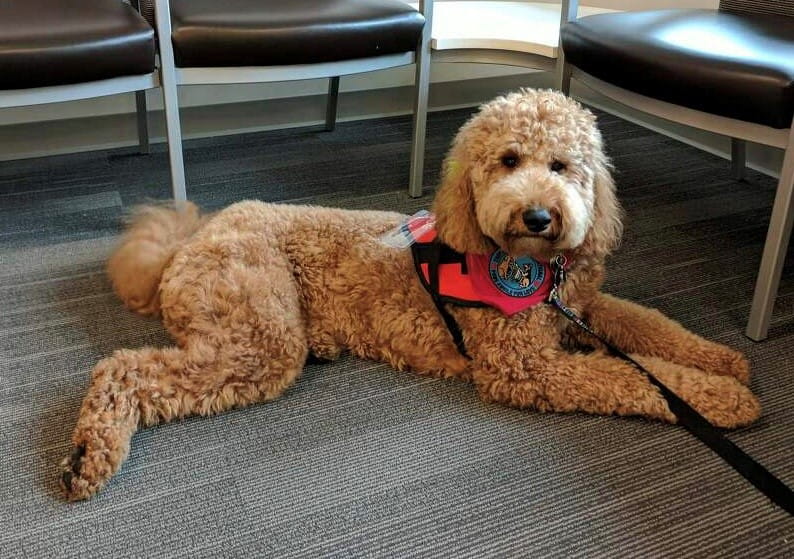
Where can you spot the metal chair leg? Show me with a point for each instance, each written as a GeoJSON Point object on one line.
{"type": "Point", "coordinates": [143, 122]}
{"type": "Point", "coordinates": [331, 103]}
{"type": "Point", "coordinates": [174, 133]}
{"type": "Point", "coordinates": [775, 248]}
{"type": "Point", "coordinates": [168, 85]}
{"type": "Point", "coordinates": [421, 96]}
{"type": "Point", "coordinates": [569, 11]}
{"type": "Point", "coordinates": [738, 158]}
{"type": "Point", "coordinates": [563, 75]}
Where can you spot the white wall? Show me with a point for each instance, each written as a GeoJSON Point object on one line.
{"type": "Point", "coordinates": [635, 5]}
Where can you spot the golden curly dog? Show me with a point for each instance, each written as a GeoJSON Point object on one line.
{"type": "Point", "coordinates": [250, 292]}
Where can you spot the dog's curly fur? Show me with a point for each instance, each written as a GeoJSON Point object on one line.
{"type": "Point", "coordinates": [251, 291]}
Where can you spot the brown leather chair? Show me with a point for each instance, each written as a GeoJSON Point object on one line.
{"type": "Point", "coordinates": [62, 50]}
{"type": "Point", "coordinates": [729, 71]}
{"type": "Point", "coordinates": [250, 41]}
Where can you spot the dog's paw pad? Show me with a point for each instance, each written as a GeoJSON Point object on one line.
{"type": "Point", "coordinates": [77, 454]}
{"type": "Point", "coordinates": [70, 473]}
{"type": "Point", "coordinates": [66, 480]}
{"type": "Point", "coordinates": [313, 359]}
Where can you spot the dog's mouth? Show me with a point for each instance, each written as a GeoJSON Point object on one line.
{"type": "Point", "coordinates": [540, 246]}
{"type": "Point", "coordinates": [536, 245]}
{"type": "Point", "coordinates": [545, 235]}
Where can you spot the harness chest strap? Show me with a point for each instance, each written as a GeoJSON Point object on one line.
{"type": "Point", "coordinates": [427, 260]}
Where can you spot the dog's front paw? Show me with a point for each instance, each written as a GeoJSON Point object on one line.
{"type": "Point", "coordinates": [729, 404]}
{"type": "Point", "coordinates": [722, 360]}
{"type": "Point", "coordinates": [722, 400]}
{"type": "Point", "coordinates": [738, 366]}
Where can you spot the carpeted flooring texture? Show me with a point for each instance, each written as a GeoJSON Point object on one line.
{"type": "Point", "coordinates": [356, 459]}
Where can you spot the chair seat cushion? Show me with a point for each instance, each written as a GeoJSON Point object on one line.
{"type": "Point", "coordinates": [60, 42]}
{"type": "Point", "coordinates": [737, 66]}
{"type": "Point", "coordinates": [209, 33]}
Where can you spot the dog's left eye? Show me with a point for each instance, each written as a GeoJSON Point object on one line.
{"type": "Point", "coordinates": [558, 166]}
{"type": "Point", "coordinates": [510, 160]}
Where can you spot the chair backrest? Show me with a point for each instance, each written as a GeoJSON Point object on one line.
{"type": "Point", "coordinates": [772, 7]}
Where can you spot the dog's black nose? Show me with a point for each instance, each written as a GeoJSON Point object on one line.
{"type": "Point", "coordinates": [537, 219]}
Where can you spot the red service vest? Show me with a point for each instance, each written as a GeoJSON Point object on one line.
{"type": "Point", "coordinates": [476, 280]}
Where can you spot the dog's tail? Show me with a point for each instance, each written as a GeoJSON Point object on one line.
{"type": "Point", "coordinates": [152, 236]}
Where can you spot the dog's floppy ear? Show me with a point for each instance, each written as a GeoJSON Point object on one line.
{"type": "Point", "coordinates": [456, 221]}
{"type": "Point", "coordinates": [607, 228]}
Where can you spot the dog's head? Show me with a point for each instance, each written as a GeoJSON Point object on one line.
{"type": "Point", "coordinates": [528, 173]}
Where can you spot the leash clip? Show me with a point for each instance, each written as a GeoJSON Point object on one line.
{"type": "Point", "coordinates": [558, 269]}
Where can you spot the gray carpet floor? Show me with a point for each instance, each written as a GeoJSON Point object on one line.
{"type": "Point", "coordinates": [356, 459]}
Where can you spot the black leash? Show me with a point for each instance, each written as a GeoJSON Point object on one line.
{"type": "Point", "coordinates": [436, 253]}
{"type": "Point", "coordinates": [688, 418]}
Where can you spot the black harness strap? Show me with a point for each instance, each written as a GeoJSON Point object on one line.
{"type": "Point", "coordinates": [692, 421]}
{"type": "Point", "coordinates": [431, 254]}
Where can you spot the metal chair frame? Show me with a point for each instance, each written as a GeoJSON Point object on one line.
{"type": "Point", "coordinates": [780, 224]}
{"type": "Point", "coordinates": [88, 90]}
{"type": "Point", "coordinates": [172, 77]}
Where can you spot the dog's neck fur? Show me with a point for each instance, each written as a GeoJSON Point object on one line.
{"type": "Point", "coordinates": [463, 241]}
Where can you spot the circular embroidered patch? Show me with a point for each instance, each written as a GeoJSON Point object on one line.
{"type": "Point", "coordinates": [516, 277]}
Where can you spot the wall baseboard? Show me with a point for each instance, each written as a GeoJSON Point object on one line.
{"type": "Point", "coordinates": [55, 137]}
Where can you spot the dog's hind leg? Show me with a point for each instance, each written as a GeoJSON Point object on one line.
{"type": "Point", "coordinates": [245, 347]}
{"type": "Point", "coordinates": [638, 329]}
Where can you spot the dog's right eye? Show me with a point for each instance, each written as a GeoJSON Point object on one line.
{"type": "Point", "coordinates": [510, 160]}
{"type": "Point", "coordinates": [558, 166]}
